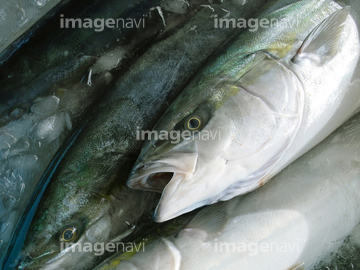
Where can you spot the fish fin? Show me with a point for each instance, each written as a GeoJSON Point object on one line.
{"type": "Point", "coordinates": [300, 266]}
{"type": "Point", "coordinates": [210, 220]}
{"type": "Point", "coordinates": [322, 43]}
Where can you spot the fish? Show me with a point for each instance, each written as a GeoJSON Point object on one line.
{"type": "Point", "coordinates": [262, 102]}
{"type": "Point", "coordinates": [64, 76]}
{"type": "Point", "coordinates": [52, 47]}
{"type": "Point", "coordinates": [31, 136]}
{"type": "Point", "coordinates": [48, 87]}
{"type": "Point", "coordinates": [294, 222]}
{"type": "Point", "coordinates": [87, 197]}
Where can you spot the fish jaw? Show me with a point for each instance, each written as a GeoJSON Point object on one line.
{"type": "Point", "coordinates": [182, 195]}
{"type": "Point", "coordinates": [213, 180]}
{"type": "Point", "coordinates": [176, 200]}
{"type": "Point", "coordinates": [155, 175]}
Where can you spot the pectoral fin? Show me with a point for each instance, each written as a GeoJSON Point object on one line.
{"type": "Point", "coordinates": [212, 220]}
{"type": "Point", "coordinates": [322, 44]}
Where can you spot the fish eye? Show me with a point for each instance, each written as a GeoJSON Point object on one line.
{"type": "Point", "coordinates": [193, 123]}
{"type": "Point", "coordinates": [69, 234]}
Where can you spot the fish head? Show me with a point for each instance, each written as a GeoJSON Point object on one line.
{"type": "Point", "coordinates": [171, 146]}
{"type": "Point", "coordinates": [240, 125]}
{"type": "Point", "coordinates": [77, 220]}
{"type": "Point", "coordinates": [51, 235]}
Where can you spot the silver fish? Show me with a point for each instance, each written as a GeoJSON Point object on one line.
{"type": "Point", "coordinates": [270, 97]}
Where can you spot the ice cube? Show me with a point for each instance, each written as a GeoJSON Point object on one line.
{"type": "Point", "coordinates": [52, 127]}
{"type": "Point", "coordinates": [45, 106]}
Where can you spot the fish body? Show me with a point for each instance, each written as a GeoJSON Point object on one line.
{"type": "Point", "coordinates": [297, 220]}
{"type": "Point", "coordinates": [54, 46]}
{"type": "Point", "coordinates": [30, 139]}
{"type": "Point", "coordinates": [268, 98]}
{"type": "Point", "coordinates": [49, 84]}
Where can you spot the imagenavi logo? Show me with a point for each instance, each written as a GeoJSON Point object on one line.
{"type": "Point", "coordinates": [99, 24]}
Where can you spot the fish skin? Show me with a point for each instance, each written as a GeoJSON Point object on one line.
{"type": "Point", "coordinates": [90, 180]}
{"type": "Point", "coordinates": [207, 171]}
{"type": "Point", "coordinates": [51, 47]}
{"type": "Point", "coordinates": [40, 70]}
{"type": "Point", "coordinates": [311, 207]}
{"type": "Point", "coordinates": [65, 75]}
{"type": "Point", "coordinates": [346, 257]}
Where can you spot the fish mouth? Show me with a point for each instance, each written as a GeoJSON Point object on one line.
{"type": "Point", "coordinates": [156, 175]}
{"type": "Point", "coordinates": [28, 262]}
{"type": "Point", "coordinates": [157, 181]}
